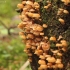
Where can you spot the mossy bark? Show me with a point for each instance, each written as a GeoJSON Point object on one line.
{"type": "Point", "coordinates": [55, 28]}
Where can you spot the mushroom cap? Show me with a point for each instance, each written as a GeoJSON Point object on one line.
{"type": "Point", "coordinates": [36, 15]}
{"type": "Point", "coordinates": [46, 46]}
{"type": "Point", "coordinates": [28, 45]}
{"type": "Point", "coordinates": [66, 12]}
{"type": "Point", "coordinates": [61, 21]}
{"type": "Point", "coordinates": [39, 28]}
{"type": "Point", "coordinates": [43, 66]}
{"type": "Point", "coordinates": [64, 43]}
{"type": "Point", "coordinates": [51, 59]}
{"type": "Point", "coordinates": [58, 45]}
{"type": "Point", "coordinates": [30, 36]}
{"type": "Point", "coordinates": [60, 65]}
{"type": "Point", "coordinates": [41, 33]}
{"type": "Point", "coordinates": [38, 52]}
{"type": "Point", "coordinates": [42, 62]}
{"type": "Point", "coordinates": [20, 6]}
{"type": "Point", "coordinates": [58, 61]}
{"type": "Point", "coordinates": [45, 26]}
{"type": "Point", "coordinates": [54, 51]}
{"type": "Point", "coordinates": [23, 2]}
{"type": "Point", "coordinates": [66, 1]}
{"type": "Point", "coordinates": [64, 49]}
{"type": "Point", "coordinates": [29, 14]}
{"type": "Point", "coordinates": [54, 66]}
{"type": "Point", "coordinates": [23, 37]}
{"type": "Point", "coordinates": [59, 54]}
{"type": "Point", "coordinates": [29, 2]}
{"type": "Point", "coordinates": [53, 38]}
{"type": "Point", "coordinates": [42, 56]}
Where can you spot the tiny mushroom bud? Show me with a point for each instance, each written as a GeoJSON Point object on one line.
{"type": "Point", "coordinates": [66, 12]}
{"type": "Point", "coordinates": [36, 5]}
{"type": "Point", "coordinates": [45, 26]}
{"type": "Point", "coordinates": [53, 38]}
{"type": "Point", "coordinates": [62, 21]}
{"type": "Point", "coordinates": [60, 11]}
{"type": "Point", "coordinates": [46, 37]}
{"type": "Point", "coordinates": [41, 33]}
{"type": "Point", "coordinates": [49, 5]}
{"type": "Point", "coordinates": [46, 7]}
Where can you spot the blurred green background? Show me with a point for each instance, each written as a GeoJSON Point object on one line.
{"type": "Point", "coordinates": [12, 56]}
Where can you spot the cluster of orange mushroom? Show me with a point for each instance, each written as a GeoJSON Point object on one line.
{"type": "Point", "coordinates": [33, 36]}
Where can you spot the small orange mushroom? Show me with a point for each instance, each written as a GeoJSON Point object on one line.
{"type": "Point", "coordinates": [58, 61]}
{"type": "Point", "coordinates": [64, 43]}
{"type": "Point", "coordinates": [43, 66]}
{"type": "Point", "coordinates": [42, 56]}
{"type": "Point", "coordinates": [20, 6]}
{"type": "Point", "coordinates": [60, 65]}
{"type": "Point", "coordinates": [62, 21]}
{"type": "Point", "coordinates": [51, 59]}
{"type": "Point", "coordinates": [43, 62]}
{"type": "Point", "coordinates": [36, 15]}
{"type": "Point", "coordinates": [66, 12]}
{"type": "Point", "coordinates": [53, 38]}
{"type": "Point", "coordinates": [45, 26]}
